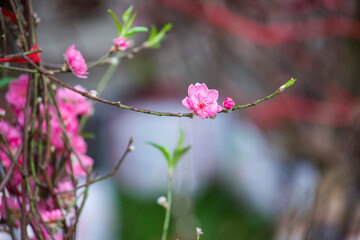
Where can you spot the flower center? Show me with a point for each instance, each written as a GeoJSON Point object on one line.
{"type": "Point", "coordinates": [202, 105]}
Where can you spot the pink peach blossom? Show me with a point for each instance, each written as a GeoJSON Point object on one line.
{"type": "Point", "coordinates": [79, 143]}
{"type": "Point", "coordinates": [77, 168]}
{"type": "Point", "coordinates": [12, 134]}
{"type": "Point", "coordinates": [51, 217]}
{"type": "Point", "coordinates": [16, 95]}
{"type": "Point", "coordinates": [71, 123]}
{"type": "Point", "coordinates": [76, 62]}
{"type": "Point", "coordinates": [76, 103]}
{"type": "Point", "coordinates": [14, 209]}
{"type": "Point", "coordinates": [67, 198]}
{"type": "Point", "coordinates": [121, 43]}
{"type": "Point", "coordinates": [202, 100]}
{"type": "Point", "coordinates": [228, 103]}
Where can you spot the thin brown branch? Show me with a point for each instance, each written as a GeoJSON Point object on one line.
{"type": "Point", "coordinates": [9, 172]}
{"type": "Point", "coordinates": [3, 36]}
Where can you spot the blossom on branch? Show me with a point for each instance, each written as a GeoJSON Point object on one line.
{"type": "Point", "coordinates": [121, 43]}
{"type": "Point", "coordinates": [52, 217]}
{"type": "Point", "coordinates": [66, 193]}
{"type": "Point", "coordinates": [76, 167]}
{"type": "Point", "coordinates": [16, 96]}
{"type": "Point", "coordinates": [228, 103]}
{"type": "Point", "coordinates": [202, 100]}
{"type": "Point", "coordinates": [76, 62]}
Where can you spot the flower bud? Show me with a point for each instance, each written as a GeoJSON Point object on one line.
{"type": "Point", "coordinates": [93, 93]}
{"type": "Point", "coordinates": [132, 148]}
{"type": "Point", "coordinates": [228, 103]}
{"type": "Point", "coordinates": [121, 43]}
{"type": "Point", "coordinates": [76, 62]}
{"type": "Point", "coordinates": [162, 201]}
{"type": "Point", "coordinates": [199, 231]}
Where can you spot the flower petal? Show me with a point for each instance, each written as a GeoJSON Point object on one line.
{"type": "Point", "coordinates": [187, 103]}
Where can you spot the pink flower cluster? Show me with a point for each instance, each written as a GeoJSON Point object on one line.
{"type": "Point", "coordinates": [203, 101]}
{"type": "Point", "coordinates": [72, 106]}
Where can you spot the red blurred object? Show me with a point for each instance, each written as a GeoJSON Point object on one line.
{"type": "Point", "coordinates": [268, 34]}
{"type": "Point", "coordinates": [9, 15]}
{"type": "Point", "coordinates": [35, 57]}
{"type": "Point", "coordinates": [282, 108]}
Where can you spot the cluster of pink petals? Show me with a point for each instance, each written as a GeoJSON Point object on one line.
{"type": "Point", "coordinates": [75, 102]}
{"type": "Point", "coordinates": [14, 139]}
{"type": "Point", "coordinates": [79, 169]}
{"type": "Point", "coordinates": [228, 103]}
{"type": "Point", "coordinates": [121, 43]}
{"type": "Point", "coordinates": [202, 101]}
{"type": "Point", "coordinates": [71, 106]}
{"type": "Point", "coordinates": [64, 189]}
{"type": "Point", "coordinates": [16, 96]}
{"type": "Point", "coordinates": [52, 217]}
{"type": "Point", "coordinates": [14, 209]}
{"type": "Point", "coordinates": [76, 62]}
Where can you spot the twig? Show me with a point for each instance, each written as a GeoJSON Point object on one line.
{"type": "Point", "coordinates": [9, 153]}
{"type": "Point", "coordinates": [254, 103]}
{"type": "Point", "coordinates": [20, 24]}
{"type": "Point", "coordinates": [6, 179]}
{"type": "Point", "coordinates": [8, 217]}
{"type": "Point", "coordinates": [18, 55]}
{"type": "Point", "coordinates": [112, 173]}
{"type": "Point", "coordinates": [3, 36]}
{"type": "Point", "coordinates": [26, 141]}
{"type": "Point", "coordinates": [27, 70]}
{"type": "Point", "coordinates": [156, 113]}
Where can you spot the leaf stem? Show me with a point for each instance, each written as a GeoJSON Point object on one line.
{"type": "Point", "coordinates": [168, 209]}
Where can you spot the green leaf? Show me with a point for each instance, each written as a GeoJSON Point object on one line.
{"type": "Point", "coordinates": [178, 153]}
{"type": "Point", "coordinates": [126, 14]}
{"type": "Point", "coordinates": [289, 83]}
{"type": "Point", "coordinates": [5, 81]}
{"type": "Point", "coordinates": [135, 30]}
{"type": "Point", "coordinates": [164, 151]}
{"type": "Point", "coordinates": [181, 138]}
{"type": "Point", "coordinates": [154, 41]}
{"type": "Point", "coordinates": [153, 33]}
{"type": "Point", "coordinates": [128, 24]}
{"type": "Point", "coordinates": [87, 135]}
{"type": "Point", "coordinates": [116, 20]}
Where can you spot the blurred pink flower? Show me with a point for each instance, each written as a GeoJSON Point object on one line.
{"type": "Point", "coordinates": [2, 113]}
{"type": "Point", "coordinates": [51, 217]}
{"type": "Point", "coordinates": [79, 143]}
{"type": "Point", "coordinates": [12, 134]}
{"type": "Point", "coordinates": [16, 96]}
{"type": "Point", "coordinates": [228, 103]}
{"type": "Point", "coordinates": [121, 43]}
{"type": "Point", "coordinates": [76, 62]}
{"type": "Point", "coordinates": [71, 123]}
{"type": "Point", "coordinates": [76, 103]}
{"type": "Point", "coordinates": [67, 199]}
{"type": "Point", "coordinates": [202, 100]}
{"type": "Point", "coordinates": [14, 209]}
{"type": "Point", "coordinates": [77, 168]}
